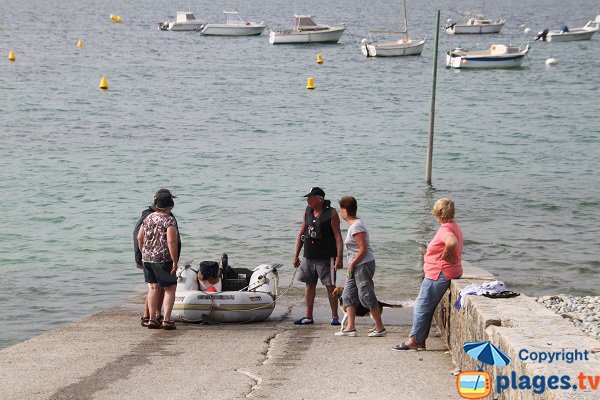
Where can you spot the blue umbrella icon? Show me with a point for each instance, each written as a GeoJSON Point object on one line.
{"type": "Point", "coordinates": [486, 353]}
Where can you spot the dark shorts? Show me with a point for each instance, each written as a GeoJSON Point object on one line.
{"type": "Point", "coordinates": [160, 273]}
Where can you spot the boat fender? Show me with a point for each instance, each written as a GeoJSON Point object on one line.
{"type": "Point", "coordinates": [187, 277]}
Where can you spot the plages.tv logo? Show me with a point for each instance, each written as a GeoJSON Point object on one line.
{"type": "Point", "coordinates": [478, 384]}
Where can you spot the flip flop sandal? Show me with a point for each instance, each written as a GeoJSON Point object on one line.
{"type": "Point", "coordinates": [304, 321]}
{"type": "Point", "coordinates": [403, 346]}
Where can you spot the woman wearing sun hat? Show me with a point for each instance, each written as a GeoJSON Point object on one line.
{"type": "Point", "coordinates": [158, 241]}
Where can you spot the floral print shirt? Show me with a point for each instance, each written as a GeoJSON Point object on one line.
{"type": "Point", "coordinates": [155, 248]}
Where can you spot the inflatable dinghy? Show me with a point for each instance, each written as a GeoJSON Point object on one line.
{"type": "Point", "coordinates": [245, 295]}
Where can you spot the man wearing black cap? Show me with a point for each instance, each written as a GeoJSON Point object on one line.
{"type": "Point", "coordinates": [322, 241]}
{"type": "Point", "coordinates": [161, 193]}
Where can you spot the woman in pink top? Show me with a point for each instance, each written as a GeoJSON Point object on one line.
{"type": "Point", "coordinates": [442, 264]}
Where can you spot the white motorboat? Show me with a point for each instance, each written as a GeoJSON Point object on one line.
{"type": "Point", "coordinates": [497, 56]}
{"type": "Point", "coordinates": [404, 46]}
{"type": "Point", "coordinates": [570, 35]}
{"type": "Point", "coordinates": [478, 24]}
{"type": "Point", "coordinates": [234, 26]}
{"type": "Point", "coordinates": [306, 30]}
{"type": "Point", "coordinates": [242, 295]}
{"type": "Point", "coordinates": [184, 21]}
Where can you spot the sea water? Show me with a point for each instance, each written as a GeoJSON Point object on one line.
{"type": "Point", "coordinates": [228, 126]}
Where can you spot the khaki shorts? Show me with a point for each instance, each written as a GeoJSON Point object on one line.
{"type": "Point", "coordinates": [311, 270]}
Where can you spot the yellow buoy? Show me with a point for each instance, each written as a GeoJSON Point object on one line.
{"type": "Point", "coordinates": [103, 83]}
{"type": "Point", "coordinates": [80, 43]}
{"type": "Point", "coordinates": [116, 18]}
{"type": "Point", "coordinates": [310, 83]}
{"type": "Point", "coordinates": [319, 58]}
{"type": "Point", "coordinates": [11, 55]}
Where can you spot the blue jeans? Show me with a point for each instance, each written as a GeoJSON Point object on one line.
{"type": "Point", "coordinates": [430, 295]}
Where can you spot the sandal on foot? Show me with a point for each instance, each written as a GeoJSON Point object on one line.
{"type": "Point", "coordinates": [335, 321]}
{"type": "Point", "coordinates": [403, 346]}
{"type": "Point", "coordinates": [304, 321]}
{"type": "Point", "coordinates": [168, 325]}
{"type": "Point", "coordinates": [347, 333]}
{"type": "Point", "coordinates": [152, 324]}
{"type": "Point", "coordinates": [160, 319]}
{"type": "Point", "coordinates": [144, 322]}
{"type": "Point", "coordinates": [374, 333]}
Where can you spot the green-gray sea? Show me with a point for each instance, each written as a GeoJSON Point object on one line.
{"type": "Point", "coordinates": [228, 126]}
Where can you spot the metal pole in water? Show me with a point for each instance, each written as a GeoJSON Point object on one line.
{"type": "Point", "coordinates": [432, 110]}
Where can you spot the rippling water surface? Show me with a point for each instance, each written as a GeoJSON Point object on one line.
{"type": "Point", "coordinates": [227, 125]}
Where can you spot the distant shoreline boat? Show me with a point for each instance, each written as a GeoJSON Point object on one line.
{"type": "Point", "coordinates": [306, 30]}
{"type": "Point", "coordinates": [497, 56]}
{"type": "Point", "coordinates": [234, 26]}
{"type": "Point", "coordinates": [475, 25]}
{"type": "Point", "coordinates": [571, 35]}
{"type": "Point", "coordinates": [184, 21]}
{"type": "Point", "coordinates": [393, 48]}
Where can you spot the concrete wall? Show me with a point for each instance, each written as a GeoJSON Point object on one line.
{"type": "Point", "coordinates": [512, 325]}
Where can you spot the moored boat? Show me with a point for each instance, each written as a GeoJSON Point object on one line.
{"type": "Point", "coordinates": [306, 30]}
{"type": "Point", "coordinates": [234, 26]}
{"type": "Point", "coordinates": [570, 35]}
{"type": "Point", "coordinates": [475, 25]}
{"type": "Point", "coordinates": [184, 21]}
{"type": "Point", "coordinates": [497, 56]}
{"type": "Point", "coordinates": [404, 46]}
{"type": "Point", "coordinates": [242, 295]}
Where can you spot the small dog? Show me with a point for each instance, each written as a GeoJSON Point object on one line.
{"type": "Point", "coordinates": [361, 310]}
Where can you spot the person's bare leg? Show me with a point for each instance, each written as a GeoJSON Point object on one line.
{"type": "Point", "coordinates": [153, 293]}
{"type": "Point", "coordinates": [146, 310]}
{"type": "Point", "coordinates": [309, 298]}
{"type": "Point", "coordinates": [376, 315]}
{"type": "Point", "coordinates": [351, 312]}
{"type": "Point", "coordinates": [333, 301]}
{"type": "Point", "coordinates": [159, 304]}
{"type": "Point", "coordinates": [169, 300]}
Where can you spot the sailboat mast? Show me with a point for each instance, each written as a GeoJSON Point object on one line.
{"type": "Point", "coordinates": [405, 21]}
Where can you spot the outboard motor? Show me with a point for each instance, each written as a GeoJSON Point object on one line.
{"type": "Point", "coordinates": [265, 279]}
{"type": "Point", "coordinates": [542, 35]}
{"type": "Point", "coordinates": [187, 277]}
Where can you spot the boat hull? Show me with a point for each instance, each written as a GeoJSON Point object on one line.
{"type": "Point", "coordinates": [464, 29]}
{"type": "Point", "coordinates": [231, 306]}
{"type": "Point", "coordinates": [393, 48]}
{"type": "Point", "coordinates": [571, 36]}
{"type": "Point", "coordinates": [248, 295]}
{"type": "Point", "coordinates": [232, 30]}
{"type": "Point", "coordinates": [331, 35]}
{"type": "Point", "coordinates": [175, 26]}
{"type": "Point", "coordinates": [462, 62]}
